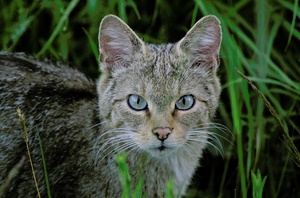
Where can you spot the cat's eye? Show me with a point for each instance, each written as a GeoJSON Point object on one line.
{"type": "Point", "coordinates": [137, 103]}
{"type": "Point", "coordinates": [185, 102]}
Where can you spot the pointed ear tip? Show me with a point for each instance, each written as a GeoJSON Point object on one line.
{"type": "Point", "coordinates": [212, 19]}
{"type": "Point", "coordinates": [110, 18]}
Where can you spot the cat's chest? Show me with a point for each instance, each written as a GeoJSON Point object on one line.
{"type": "Point", "coordinates": [156, 173]}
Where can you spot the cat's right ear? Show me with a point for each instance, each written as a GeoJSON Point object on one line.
{"type": "Point", "coordinates": [117, 43]}
{"type": "Point", "coordinates": [203, 42]}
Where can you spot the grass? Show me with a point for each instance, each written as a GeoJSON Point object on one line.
{"type": "Point", "coordinates": [260, 39]}
{"type": "Point", "coordinates": [25, 136]}
{"type": "Point", "coordinates": [125, 179]}
{"type": "Point", "coordinates": [257, 184]}
{"type": "Point", "coordinates": [45, 167]}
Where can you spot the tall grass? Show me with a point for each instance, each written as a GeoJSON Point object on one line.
{"type": "Point", "coordinates": [260, 39]}
{"type": "Point", "coordinates": [124, 175]}
{"type": "Point", "coordinates": [25, 137]}
{"type": "Point", "coordinates": [249, 120]}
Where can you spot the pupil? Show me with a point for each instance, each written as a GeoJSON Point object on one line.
{"type": "Point", "coordinates": [138, 100]}
{"type": "Point", "coordinates": [183, 101]}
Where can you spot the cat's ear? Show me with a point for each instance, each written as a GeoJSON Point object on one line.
{"type": "Point", "coordinates": [203, 41]}
{"type": "Point", "coordinates": [117, 43]}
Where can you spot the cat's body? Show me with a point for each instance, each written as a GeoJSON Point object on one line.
{"type": "Point", "coordinates": [154, 103]}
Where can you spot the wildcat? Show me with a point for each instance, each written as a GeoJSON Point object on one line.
{"type": "Point", "coordinates": [152, 102]}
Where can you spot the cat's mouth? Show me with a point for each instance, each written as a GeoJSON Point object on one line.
{"type": "Point", "coordinates": [161, 148]}
{"type": "Point", "coordinates": [161, 151]}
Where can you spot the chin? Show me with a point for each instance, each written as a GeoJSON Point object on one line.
{"type": "Point", "coordinates": [162, 152]}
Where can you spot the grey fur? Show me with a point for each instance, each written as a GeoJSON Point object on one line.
{"type": "Point", "coordinates": [80, 143]}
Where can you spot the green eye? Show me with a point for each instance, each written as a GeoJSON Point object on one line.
{"type": "Point", "coordinates": [185, 102]}
{"type": "Point", "coordinates": [137, 103]}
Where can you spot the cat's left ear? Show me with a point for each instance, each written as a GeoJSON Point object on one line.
{"type": "Point", "coordinates": [117, 43]}
{"type": "Point", "coordinates": [202, 42]}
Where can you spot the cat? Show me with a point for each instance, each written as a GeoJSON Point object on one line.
{"type": "Point", "coordinates": [152, 102]}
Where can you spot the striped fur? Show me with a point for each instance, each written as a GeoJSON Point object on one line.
{"type": "Point", "coordinates": [82, 132]}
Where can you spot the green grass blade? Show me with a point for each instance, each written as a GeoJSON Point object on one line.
{"type": "Point", "coordinates": [44, 166]}
{"type": "Point", "coordinates": [23, 23]}
{"type": "Point", "coordinates": [296, 2]}
{"type": "Point", "coordinates": [169, 192]}
{"type": "Point", "coordinates": [92, 7]}
{"type": "Point", "coordinates": [295, 32]}
{"type": "Point", "coordinates": [231, 50]}
{"type": "Point", "coordinates": [124, 174]}
{"type": "Point", "coordinates": [283, 173]}
{"type": "Point", "coordinates": [133, 5]}
{"type": "Point", "coordinates": [288, 141]}
{"type": "Point", "coordinates": [19, 31]}
{"type": "Point", "coordinates": [59, 26]}
{"type": "Point", "coordinates": [257, 184]}
{"type": "Point", "coordinates": [138, 191]}
{"type": "Point", "coordinates": [234, 101]}
{"type": "Point", "coordinates": [122, 10]}
{"type": "Point", "coordinates": [194, 15]}
{"type": "Point", "coordinates": [292, 7]}
{"type": "Point", "coordinates": [93, 46]}
{"type": "Point", "coordinates": [60, 6]}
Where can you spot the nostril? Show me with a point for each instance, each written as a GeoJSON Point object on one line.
{"type": "Point", "coordinates": [162, 133]}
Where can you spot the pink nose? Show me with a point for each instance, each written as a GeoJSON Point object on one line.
{"type": "Point", "coordinates": [162, 133]}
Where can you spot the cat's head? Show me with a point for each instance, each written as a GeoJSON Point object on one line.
{"type": "Point", "coordinates": [159, 98]}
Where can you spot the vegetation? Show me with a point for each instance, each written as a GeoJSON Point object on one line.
{"type": "Point", "coordinates": [260, 105]}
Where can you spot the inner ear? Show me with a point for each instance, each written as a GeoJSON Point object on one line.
{"type": "Point", "coordinates": [202, 42]}
{"type": "Point", "coordinates": [117, 43]}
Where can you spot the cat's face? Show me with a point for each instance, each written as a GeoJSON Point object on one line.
{"type": "Point", "coordinates": [159, 98]}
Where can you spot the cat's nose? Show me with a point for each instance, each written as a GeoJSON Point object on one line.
{"type": "Point", "coordinates": [162, 133]}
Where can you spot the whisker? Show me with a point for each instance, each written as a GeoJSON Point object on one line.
{"type": "Point", "coordinates": [110, 144]}
{"type": "Point", "coordinates": [219, 150]}
{"type": "Point", "coordinates": [123, 148]}
{"type": "Point", "coordinates": [97, 124]}
{"type": "Point", "coordinates": [189, 149]}
{"type": "Point", "coordinates": [113, 144]}
{"type": "Point", "coordinates": [221, 127]}
{"type": "Point", "coordinates": [211, 137]}
{"type": "Point", "coordinates": [216, 144]}
{"type": "Point", "coordinates": [212, 125]}
{"type": "Point", "coordinates": [196, 133]}
{"type": "Point", "coordinates": [107, 154]}
{"type": "Point", "coordinates": [119, 130]}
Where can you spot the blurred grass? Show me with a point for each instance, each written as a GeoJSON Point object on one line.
{"type": "Point", "coordinates": [258, 184]}
{"type": "Point", "coordinates": [260, 39]}
{"type": "Point", "coordinates": [125, 179]}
